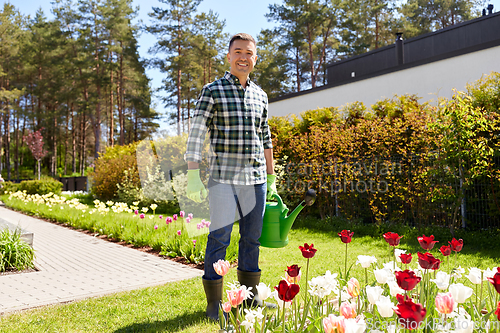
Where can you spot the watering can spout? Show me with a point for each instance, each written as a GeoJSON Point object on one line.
{"type": "Point", "coordinates": [287, 222]}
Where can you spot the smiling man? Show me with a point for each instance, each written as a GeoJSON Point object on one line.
{"type": "Point", "coordinates": [233, 110]}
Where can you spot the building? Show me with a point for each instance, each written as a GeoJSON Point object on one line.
{"type": "Point", "coordinates": [430, 66]}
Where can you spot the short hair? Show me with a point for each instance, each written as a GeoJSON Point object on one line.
{"type": "Point", "coordinates": [241, 36]}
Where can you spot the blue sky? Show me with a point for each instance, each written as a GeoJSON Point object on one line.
{"type": "Point", "coordinates": [240, 17]}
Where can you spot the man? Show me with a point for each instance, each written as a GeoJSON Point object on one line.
{"type": "Point", "coordinates": [233, 110]}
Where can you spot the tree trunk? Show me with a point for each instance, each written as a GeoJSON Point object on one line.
{"type": "Point", "coordinates": [111, 115]}
{"type": "Point", "coordinates": [120, 100]}
{"type": "Point", "coordinates": [73, 140]}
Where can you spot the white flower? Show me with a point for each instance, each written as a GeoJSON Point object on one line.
{"type": "Point", "coordinates": [153, 206]}
{"type": "Point", "coordinates": [385, 306]}
{"type": "Point", "coordinates": [474, 275]}
{"type": "Point", "coordinates": [263, 291]}
{"type": "Point", "coordinates": [398, 253]}
{"type": "Point", "coordinates": [382, 275]}
{"type": "Point", "coordinates": [354, 325]}
{"type": "Point", "coordinates": [390, 266]}
{"type": "Point", "coordinates": [253, 314]}
{"type": "Point", "coordinates": [322, 286]}
{"type": "Point", "coordinates": [394, 288]}
{"type": "Point", "coordinates": [463, 324]}
{"type": "Point", "coordinates": [460, 293]}
{"type": "Point", "coordinates": [366, 261]}
{"type": "Point", "coordinates": [489, 273]}
{"type": "Point", "coordinates": [457, 272]}
{"type": "Point", "coordinates": [145, 209]}
{"type": "Point", "coordinates": [442, 280]}
{"type": "Point", "coordinates": [373, 293]}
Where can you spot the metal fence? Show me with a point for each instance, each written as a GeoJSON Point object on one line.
{"type": "Point", "coordinates": [414, 190]}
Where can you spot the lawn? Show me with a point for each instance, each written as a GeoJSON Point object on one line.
{"type": "Point", "coordinates": [179, 307]}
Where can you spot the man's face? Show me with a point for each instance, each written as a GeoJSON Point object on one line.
{"type": "Point", "coordinates": [242, 57]}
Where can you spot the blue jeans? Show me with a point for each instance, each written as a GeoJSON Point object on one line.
{"type": "Point", "coordinates": [229, 203]}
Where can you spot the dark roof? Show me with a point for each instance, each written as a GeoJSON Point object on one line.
{"type": "Point", "coordinates": [471, 36]}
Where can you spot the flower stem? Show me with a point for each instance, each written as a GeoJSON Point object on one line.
{"type": "Point", "coordinates": [394, 257]}
{"type": "Point", "coordinates": [345, 277]}
{"type": "Point", "coordinates": [284, 307]}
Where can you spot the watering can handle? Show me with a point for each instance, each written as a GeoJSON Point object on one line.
{"type": "Point", "coordinates": [278, 198]}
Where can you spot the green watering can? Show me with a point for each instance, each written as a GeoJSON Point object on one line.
{"type": "Point", "coordinates": [277, 224]}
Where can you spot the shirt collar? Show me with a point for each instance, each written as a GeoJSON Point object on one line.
{"type": "Point", "coordinates": [234, 80]}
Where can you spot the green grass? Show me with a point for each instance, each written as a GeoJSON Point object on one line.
{"type": "Point", "coordinates": [179, 307]}
{"type": "Point", "coordinates": [15, 253]}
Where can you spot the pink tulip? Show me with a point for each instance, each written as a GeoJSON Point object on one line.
{"type": "Point", "coordinates": [168, 220]}
{"type": "Point", "coordinates": [179, 232]}
{"type": "Point", "coordinates": [199, 226]}
{"type": "Point", "coordinates": [334, 324]}
{"type": "Point", "coordinates": [347, 310]}
{"type": "Point", "coordinates": [156, 226]}
{"type": "Point", "coordinates": [161, 217]}
{"type": "Point", "coordinates": [236, 297]}
{"type": "Point", "coordinates": [142, 216]}
{"type": "Point", "coordinates": [175, 217]}
{"type": "Point", "coordinates": [136, 212]}
{"type": "Point", "coordinates": [444, 303]}
{"type": "Point", "coordinates": [181, 213]}
{"type": "Point", "coordinates": [194, 242]}
{"type": "Point", "coordinates": [353, 287]}
{"type": "Point", "coordinates": [190, 215]}
{"type": "Point", "coordinates": [226, 307]}
{"type": "Point", "coordinates": [221, 267]}
{"type": "Point", "coordinates": [207, 224]}
{"type": "Point", "coordinates": [188, 220]}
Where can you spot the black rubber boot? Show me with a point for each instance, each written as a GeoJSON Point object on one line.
{"type": "Point", "coordinates": [252, 279]}
{"type": "Point", "coordinates": [213, 292]}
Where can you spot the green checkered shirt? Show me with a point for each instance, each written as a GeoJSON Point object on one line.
{"type": "Point", "coordinates": [236, 120]}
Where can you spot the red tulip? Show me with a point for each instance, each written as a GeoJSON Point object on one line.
{"type": "Point", "coordinates": [445, 250]}
{"type": "Point", "coordinates": [308, 251]}
{"type": "Point", "coordinates": [405, 258]}
{"type": "Point", "coordinates": [497, 312]}
{"type": "Point", "coordinates": [427, 243]}
{"type": "Point", "coordinates": [495, 280]}
{"type": "Point", "coordinates": [286, 291]}
{"type": "Point", "coordinates": [293, 271]}
{"type": "Point", "coordinates": [410, 314]}
{"type": "Point", "coordinates": [392, 238]}
{"type": "Point", "coordinates": [456, 245]}
{"type": "Point", "coordinates": [427, 261]}
{"type": "Point", "coordinates": [407, 279]}
{"type": "Point", "coordinates": [346, 236]}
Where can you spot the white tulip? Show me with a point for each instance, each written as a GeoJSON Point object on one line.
{"type": "Point", "coordinates": [263, 291]}
{"type": "Point", "coordinates": [442, 280]}
{"type": "Point", "coordinates": [460, 293]}
{"type": "Point", "coordinates": [474, 275]}
{"type": "Point", "coordinates": [382, 275]}
{"type": "Point", "coordinates": [373, 293]}
{"type": "Point", "coordinates": [489, 273]}
{"type": "Point", "coordinates": [394, 288]}
{"type": "Point", "coordinates": [354, 325]}
{"type": "Point", "coordinates": [385, 307]}
{"type": "Point", "coordinates": [391, 266]}
{"type": "Point", "coordinates": [366, 261]}
{"type": "Point", "coordinates": [463, 325]}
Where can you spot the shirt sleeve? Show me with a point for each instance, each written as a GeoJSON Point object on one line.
{"type": "Point", "coordinates": [266, 133]}
{"type": "Point", "coordinates": [200, 122]}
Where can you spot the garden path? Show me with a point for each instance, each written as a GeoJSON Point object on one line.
{"type": "Point", "coordinates": [73, 266]}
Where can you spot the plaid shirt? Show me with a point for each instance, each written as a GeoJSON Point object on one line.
{"type": "Point", "coordinates": [236, 119]}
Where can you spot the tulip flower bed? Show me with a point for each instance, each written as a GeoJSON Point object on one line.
{"type": "Point", "coordinates": [420, 292]}
{"type": "Point", "coordinates": [177, 235]}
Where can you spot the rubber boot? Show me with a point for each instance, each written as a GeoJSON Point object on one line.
{"type": "Point", "coordinates": [252, 279]}
{"type": "Point", "coordinates": [213, 292]}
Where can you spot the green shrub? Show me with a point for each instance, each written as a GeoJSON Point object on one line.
{"type": "Point", "coordinates": [43, 186]}
{"type": "Point", "coordinates": [6, 187]}
{"type": "Point", "coordinates": [14, 252]}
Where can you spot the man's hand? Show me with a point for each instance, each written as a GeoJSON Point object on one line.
{"type": "Point", "coordinates": [271, 186]}
{"type": "Point", "coordinates": [195, 189]}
